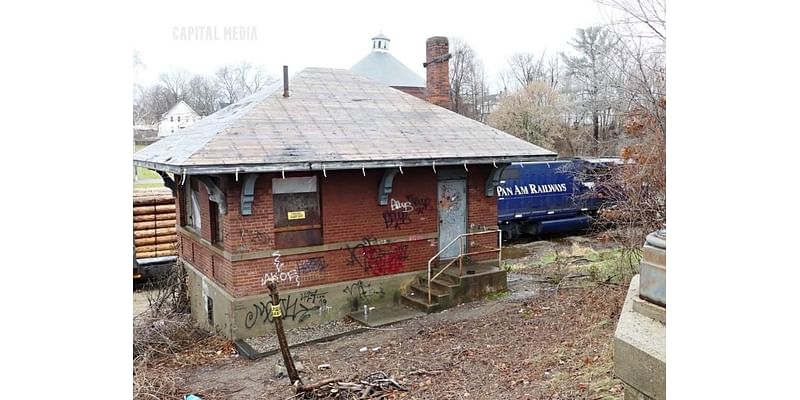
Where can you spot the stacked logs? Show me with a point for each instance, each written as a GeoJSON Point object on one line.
{"type": "Point", "coordinates": [154, 222]}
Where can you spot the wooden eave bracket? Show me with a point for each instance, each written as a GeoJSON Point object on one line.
{"type": "Point", "coordinates": [248, 194]}
{"type": "Point", "coordinates": [214, 193]}
{"type": "Point", "coordinates": [169, 182]}
{"type": "Point", "coordinates": [386, 185]}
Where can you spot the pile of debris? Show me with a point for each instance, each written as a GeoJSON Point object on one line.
{"type": "Point", "coordinates": [377, 385]}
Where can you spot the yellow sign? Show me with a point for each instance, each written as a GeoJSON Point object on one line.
{"type": "Point", "coordinates": [276, 311]}
{"type": "Point", "coordinates": [297, 215]}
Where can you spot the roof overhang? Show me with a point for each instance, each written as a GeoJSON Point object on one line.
{"type": "Point", "coordinates": [334, 165]}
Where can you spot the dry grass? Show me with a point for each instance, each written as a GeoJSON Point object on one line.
{"type": "Point", "coordinates": [166, 340]}
{"type": "Point", "coordinates": [555, 345]}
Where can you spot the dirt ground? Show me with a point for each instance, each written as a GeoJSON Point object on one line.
{"type": "Point", "coordinates": [549, 337]}
{"type": "Point", "coordinates": [140, 303]}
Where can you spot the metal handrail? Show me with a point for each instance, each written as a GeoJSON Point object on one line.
{"type": "Point", "coordinates": [461, 255]}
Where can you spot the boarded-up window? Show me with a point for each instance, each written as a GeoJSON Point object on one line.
{"type": "Point", "coordinates": [297, 213]}
{"type": "Point", "coordinates": [217, 233]}
{"type": "Point", "coordinates": [192, 205]}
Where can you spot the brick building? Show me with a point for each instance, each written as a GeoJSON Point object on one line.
{"type": "Point", "coordinates": [339, 187]}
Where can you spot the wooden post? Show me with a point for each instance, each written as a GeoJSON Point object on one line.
{"type": "Point", "coordinates": [277, 317]}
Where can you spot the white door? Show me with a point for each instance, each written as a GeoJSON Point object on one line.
{"type": "Point", "coordinates": [452, 215]}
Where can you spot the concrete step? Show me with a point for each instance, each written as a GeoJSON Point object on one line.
{"type": "Point", "coordinates": [439, 285]}
{"type": "Point", "coordinates": [437, 294]}
{"type": "Point", "coordinates": [445, 279]}
{"type": "Point", "coordinates": [470, 270]}
{"type": "Point", "coordinates": [420, 303]}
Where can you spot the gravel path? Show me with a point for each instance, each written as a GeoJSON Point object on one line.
{"type": "Point", "coordinates": [263, 344]}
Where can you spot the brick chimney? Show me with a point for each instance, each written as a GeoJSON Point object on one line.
{"type": "Point", "coordinates": [437, 70]}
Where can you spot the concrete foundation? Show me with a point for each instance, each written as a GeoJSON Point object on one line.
{"type": "Point", "coordinates": [653, 278]}
{"type": "Point", "coordinates": [480, 281]}
{"type": "Point", "coordinates": [243, 317]}
{"type": "Point", "coordinates": [640, 348]}
{"type": "Point", "coordinates": [640, 341]}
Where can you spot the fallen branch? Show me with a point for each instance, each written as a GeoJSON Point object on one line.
{"type": "Point", "coordinates": [373, 386]}
{"type": "Point", "coordinates": [422, 372]}
{"type": "Point", "coordinates": [320, 384]}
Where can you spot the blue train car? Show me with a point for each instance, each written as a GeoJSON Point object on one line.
{"type": "Point", "coordinates": [548, 196]}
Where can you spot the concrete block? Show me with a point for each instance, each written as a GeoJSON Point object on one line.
{"type": "Point", "coordinates": [640, 349]}
{"type": "Point", "coordinates": [650, 310]}
{"type": "Point", "coordinates": [632, 394]}
{"type": "Point", "coordinates": [653, 282]}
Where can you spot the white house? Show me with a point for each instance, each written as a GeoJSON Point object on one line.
{"type": "Point", "coordinates": [178, 117]}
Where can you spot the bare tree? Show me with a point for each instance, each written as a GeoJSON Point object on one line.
{"type": "Point", "coordinates": [225, 78]}
{"type": "Point", "coordinates": [638, 84]}
{"type": "Point", "coordinates": [151, 103]}
{"type": "Point", "coordinates": [139, 115]}
{"type": "Point", "coordinates": [235, 82]}
{"type": "Point", "coordinates": [203, 95]}
{"type": "Point", "coordinates": [176, 82]}
{"type": "Point", "coordinates": [589, 67]}
{"type": "Point", "coordinates": [477, 93]}
{"type": "Point", "coordinates": [525, 68]}
{"type": "Point", "coordinates": [252, 78]}
{"type": "Point", "coordinates": [652, 14]}
{"type": "Point", "coordinates": [461, 65]}
{"type": "Point", "coordinates": [469, 91]}
{"type": "Point", "coordinates": [533, 113]}
{"type": "Point", "coordinates": [552, 71]}
{"type": "Point", "coordinates": [641, 32]}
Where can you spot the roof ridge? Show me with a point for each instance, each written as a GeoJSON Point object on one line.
{"type": "Point", "coordinates": [334, 118]}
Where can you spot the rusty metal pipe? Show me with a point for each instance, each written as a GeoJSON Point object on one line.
{"type": "Point", "coordinates": [285, 81]}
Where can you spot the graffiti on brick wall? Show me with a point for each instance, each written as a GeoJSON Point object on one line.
{"type": "Point", "coordinates": [294, 307]}
{"type": "Point", "coordinates": [379, 260]}
{"type": "Point", "coordinates": [290, 271]}
{"type": "Point", "coordinates": [311, 265]}
{"type": "Point", "coordinates": [418, 204]}
{"type": "Point", "coordinates": [247, 237]}
{"type": "Point", "coordinates": [363, 293]}
{"type": "Point", "coordinates": [356, 253]}
{"type": "Point", "coordinates": [394, 219]}
{"type": "Point", "coordinates": [397, 205]}
{"type": "Point", "coordinates": [399, 212]}
{"type": "Point", "coordinates": [281, 276]}
{"type": "Point", "coordinates": [386, 260]}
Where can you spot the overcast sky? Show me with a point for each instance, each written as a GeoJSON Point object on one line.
{"type": "Point", "coordinates": [337, 35]}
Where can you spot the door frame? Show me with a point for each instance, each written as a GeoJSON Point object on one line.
{"type": "Point", "coordinates": [439, 182]}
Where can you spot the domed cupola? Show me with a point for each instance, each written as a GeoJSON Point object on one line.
{"type": "Point", "coordinates": [380, 43]}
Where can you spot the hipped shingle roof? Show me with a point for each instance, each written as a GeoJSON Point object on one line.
{"type": "Point", "coordinates": [332, 119]}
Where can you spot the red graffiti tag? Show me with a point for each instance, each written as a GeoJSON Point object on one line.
{"type": "Point", "coordinates": [386, 262]}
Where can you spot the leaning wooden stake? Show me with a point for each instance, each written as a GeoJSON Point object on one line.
{"type": "Point", "coordinates": [277, 317]}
